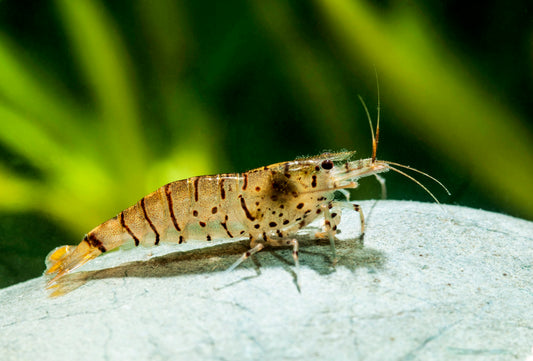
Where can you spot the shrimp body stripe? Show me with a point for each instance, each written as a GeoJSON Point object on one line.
{"type": "Point", "coordinates": [125, 226]}
{"type": "Point", "coordinates": [94, 242]}
{"type": "Point", "coordinates": [245, 182]}
{"type": "Point", "coordinates": [225, 226]}
{"type": "Point", "coordinates": [245, 209]}
{"type": "Point", "coordinates": [222, 190]}
{"type": "Point", "coordinates": [170, 208]}
{"type": "Point", "coordinates": [143, 206]}
{"type": "Point", "coordinates": [196, 180]}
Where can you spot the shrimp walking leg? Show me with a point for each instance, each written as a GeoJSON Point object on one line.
{"type": "Point", "coordinates": [258, 247]}
{"type": "Point", "coordinates": [357, 208]}
{"type": "Point", "coordinates": [332, 213]}
{"type": "Point", "coordinates": [281, 242]}
{"type": "Point", "coordinates": [330, 228]}
{"type": "Point", "coordinates": [335, 213]}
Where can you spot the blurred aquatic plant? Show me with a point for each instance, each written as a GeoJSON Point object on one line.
{"type": "Point", "coordinates": [98, 158]}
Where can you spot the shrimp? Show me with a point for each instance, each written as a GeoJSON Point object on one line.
{"type": "Point", "coordinates": [267, 205]}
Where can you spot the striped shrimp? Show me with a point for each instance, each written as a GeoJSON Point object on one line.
{"type": "Point", "coordinates": [268, 205]}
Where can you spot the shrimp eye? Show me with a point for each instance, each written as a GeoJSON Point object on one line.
{"type": "Point", "coordinates": [327, 164]}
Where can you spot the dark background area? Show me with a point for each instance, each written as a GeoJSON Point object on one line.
{"type": "Point", "coordinates": [103, 102]}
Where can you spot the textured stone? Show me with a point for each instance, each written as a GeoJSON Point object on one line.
{"type": "Point", "coordinates": [427, 283]}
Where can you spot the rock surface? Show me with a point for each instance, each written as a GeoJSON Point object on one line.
{"type": "Point", "coordinates": [425, 284]}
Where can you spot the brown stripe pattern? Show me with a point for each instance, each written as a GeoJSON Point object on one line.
{"type": "Point", "coordinates": [171, 208]}
{"type": "Point", "coordinates": [245, 176]}
{"type": "Point", "coordinates": [246, 211]}
{"type": "Point", "coordinates": [123, 224]}
{"type": "Point", "coordinates": [196, 180]}
{"type": "Point", "coordinates": [225, 226]}
{"type": "Point", "coordinates": [222, 190]}
{"type": "Point", "coordinates": [150, 222]}
{"type": "Point", "coordinates": [94, 242]}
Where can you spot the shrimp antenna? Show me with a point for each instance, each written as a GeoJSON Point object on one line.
{"type": "Point", "coordinates": [418, 171]}
{"type": "Point", "coordinates": [376, 140]}
{"type": "Point", "coordinates": [414, 180]}
{"type": "Point", "coordinates": [374, 143]}
{"type": "Point", "coordinates": [375, 137]}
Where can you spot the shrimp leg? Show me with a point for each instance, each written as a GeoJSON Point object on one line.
{"type": "Point", "coordinates": [330, 230]}
{"type": "Point", "coordinates": [258, 247]}
{"type": "Point", "coordinates": [280, 242]}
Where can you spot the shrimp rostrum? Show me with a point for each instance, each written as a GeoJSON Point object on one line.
{"type": "Point", "coordinates": [268, 205]}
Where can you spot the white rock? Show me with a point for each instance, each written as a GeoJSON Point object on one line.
{"type": "Point", "coordinates": [422, 287]}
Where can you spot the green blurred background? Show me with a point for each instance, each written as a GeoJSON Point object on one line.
{"type": "Point", "coordinates": [103, 102]}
